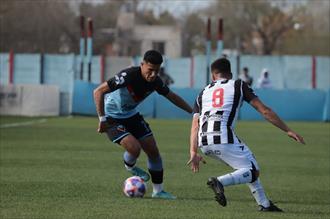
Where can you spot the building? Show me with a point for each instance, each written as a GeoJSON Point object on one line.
{"type": "Point", "coordinates": [165, 39]}
{"type": "Point", "coordinates": [134, 39]}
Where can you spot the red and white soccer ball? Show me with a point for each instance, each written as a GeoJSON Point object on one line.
{"type": "Point", "coordinates": [134, 187]}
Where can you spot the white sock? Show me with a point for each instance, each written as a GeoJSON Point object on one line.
{"type": "Point", "coordinates": [258, 193]}
{"type": "Point", "coordinates": [128, 167]}
{"type": "Point", "coordinates": [240, 176]}
{"type": "Point", "coordinates": [157, 187]}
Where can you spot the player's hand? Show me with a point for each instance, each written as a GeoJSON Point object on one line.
{"type": "Point", "coordinates": [194, 162]}
{"type": "Point", "coordinates": [296, 137]}
{"type": "Point", "coordinates": [103, 126]}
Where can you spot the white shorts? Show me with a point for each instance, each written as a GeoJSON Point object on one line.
{"type": "Point", "coordinates": [235, 155]}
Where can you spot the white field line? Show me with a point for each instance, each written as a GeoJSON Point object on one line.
{"type": "Point", "coordinates": [19, 124]}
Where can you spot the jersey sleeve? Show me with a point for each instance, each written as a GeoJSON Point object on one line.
{"type": "Point", "coordinates": [197, 104]}
{"type": "Point", "coordinates": [248, 93]}
{"type": "Point", "coordinates": [118, 81]}
{"type": "Point", "coordinates": [161, 87]}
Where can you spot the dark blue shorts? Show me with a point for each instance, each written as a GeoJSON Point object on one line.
{"type": "Point", "coordinates": [135, 125]}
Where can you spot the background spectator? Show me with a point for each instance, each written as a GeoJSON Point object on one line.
{"type": "Point", "coordinates": [264, 80]}
{"type": "Point", "coordinates": [165, 77]}
{"type": "Point", "coordinates": [244, 76]}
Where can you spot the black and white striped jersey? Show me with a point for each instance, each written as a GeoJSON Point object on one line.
{"type": "Point", "coordinates": [218, 105]}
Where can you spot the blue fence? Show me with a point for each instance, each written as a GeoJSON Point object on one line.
{"type": "Point", "coordinates": [26, 72]}
{"type": "Point", "coordinates": [289, 104]}
{"type": "Point", "coordinates": [326, 112]}
{"type": "Point", "coordinates": [323, 73]}
{"type": "Point", "coordinates": [4, 68]}
{"type": "Point", "coordinates": [286, 72]}
{"type": "Point", "coordinates": [292, 105]}
{"type": "Point", "coordinates": [83, 101]}
{"type": "Point", "coordinates": [59, 70]}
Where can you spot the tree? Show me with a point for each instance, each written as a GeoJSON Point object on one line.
{"type": "Point", "coordinates": [148, 17]}
{"type": "Point", "coordinates": [104, 17]}
{"type": "Point", "coordinates": [166, 18]}
{"type": "Point", "coordinates": [270, 25]}
{"type": "Point", "coordinates": [193, 32]}
{"type": "Point", "coordinates": [257, 25]}
{"type": "Point", "coordinates": [37, 26]}
{"type": "Point", "coordinates": [312, 31]}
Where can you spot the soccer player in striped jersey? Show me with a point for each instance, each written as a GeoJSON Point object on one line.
{"type": "Point", "coordinates": [116, 101]}
{"type": "Point", "coordinates": [215, 113]}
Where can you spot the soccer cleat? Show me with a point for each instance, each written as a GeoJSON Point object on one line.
{"type": "Point", "coordinates": [136, 171]}
{"type": "Point", "coordinates": [163, 195]}
{"type": "Point", "coordinates": [271, 207]}
{"type": "Point", "coordinates": [218, 190]}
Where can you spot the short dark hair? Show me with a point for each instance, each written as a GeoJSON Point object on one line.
{"type": "Point", "coordinates": [221, 65]}
{"type": "Point", "coordinates": [245, 69]}
{"type": "Point", "coordinates": [153, 57]}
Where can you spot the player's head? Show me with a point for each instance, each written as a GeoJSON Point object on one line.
{"type": "Point", "coordinates": [221, 67]}
{"type": "Point", "coordinates": [150, 66]}
{"type": "Point", "coordinates": [265, 73]}
{"type": "Point", "coordinates": [245, 70]}
{"type": "Point", "coordinates": [153, 57]}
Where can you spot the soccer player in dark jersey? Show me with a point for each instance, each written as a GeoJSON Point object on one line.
{"type": "Point", "coordinates": [215, 113]}
{"type": "Point", "coordinates": [116, 102]}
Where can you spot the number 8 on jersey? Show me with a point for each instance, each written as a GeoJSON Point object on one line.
{"type": "Point", "coordinates": [217, 97]}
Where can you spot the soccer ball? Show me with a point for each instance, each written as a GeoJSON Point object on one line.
{"type": "Point", "coordinates": [134, 187]}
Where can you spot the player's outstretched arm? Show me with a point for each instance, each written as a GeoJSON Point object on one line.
{"type": "Point", "coordinates": [273, 118]}
{"type": "Point", "coordinates": [178, 101]}
{"type": "Point", "coordinates": [99, 103]}
{"type": "Point", "coordinates": [195, 158]}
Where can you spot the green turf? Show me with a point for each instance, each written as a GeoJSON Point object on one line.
{"type": "Point", "coordinates": [62, 168]}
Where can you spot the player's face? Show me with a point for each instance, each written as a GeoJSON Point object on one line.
{"type": "Point", "coordinates": [149, 71]}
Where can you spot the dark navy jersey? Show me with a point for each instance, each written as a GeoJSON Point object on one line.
{"type": "Point", "coordinates": [127, 89]}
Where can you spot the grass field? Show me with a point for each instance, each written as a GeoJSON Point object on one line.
{"type": "Point", "coordinates": [60, 168]}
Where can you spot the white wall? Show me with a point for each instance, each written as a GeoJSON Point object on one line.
{"type": "Point", "coordinates": [171, 35]}
{"type": "Point", "coordinates": [29, 100]}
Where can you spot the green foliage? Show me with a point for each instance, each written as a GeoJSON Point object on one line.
{"type": "Point", "coordinates": [37, 26]}
{"type": "Point", "coordinates": [64, 169]}
{"type": "Point", "coordinates": [252, 27]}
{"type": "Point", "coordinates": [269, 27]}
{"type": "Point", "coordinates": [193, 34]}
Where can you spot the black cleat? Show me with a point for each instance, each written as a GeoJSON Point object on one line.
{"type": "Point", "coordinates": [218, 190]}
{"type": "Point", "coordinates": [271, 207]}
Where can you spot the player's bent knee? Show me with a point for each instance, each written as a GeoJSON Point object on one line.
{"type": "Point", "coordinates": [135, 152]}
{"type": "Point", "coordinates": [255, 175]}
{"type": "Point", "coordinates": [131, 145]}
{"type": "Point", "coordinates": [132, 148]}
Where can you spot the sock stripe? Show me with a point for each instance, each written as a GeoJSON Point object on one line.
{"type": "Point", "coordinates": [129, 164]}
{"type": "Point", "coordinates": [156, 176]}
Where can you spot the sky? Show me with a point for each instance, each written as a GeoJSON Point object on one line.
{"type": "Point", "coordinates": [181, 7]}
{"type": "Point", "coordinates": [176, 7]}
